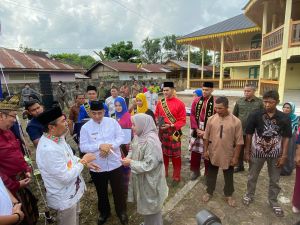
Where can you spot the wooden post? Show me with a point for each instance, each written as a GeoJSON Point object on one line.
{"type": "Point", "coordinates": [221, 65]}
{"type": "Point", "coordinates": [264, 31]}
{"type": "Point", "coordinates": [202, 64]}
{"type": "Point", "coordinates": [274, 21]}
{"type": "Point", "coordinates": [214, 65]}
{"type": "Point", "coordinates": [188, 68]}
{"type": "Point", "coordinates": [285, 45]}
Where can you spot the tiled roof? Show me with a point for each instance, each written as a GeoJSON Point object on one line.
{"type": "Point", "coordinates": [183, 64]}
{"type": "Point", "coordinates": [131, 67]}
{"type": "Point", "coordinates": [239, 22]}
{"type": "Point", "coordinates": [18, 61]}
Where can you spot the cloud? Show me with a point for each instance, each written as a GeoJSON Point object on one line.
{"type": "Point", "coordinates": [83, 26]}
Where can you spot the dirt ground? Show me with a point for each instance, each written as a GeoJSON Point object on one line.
{"type": "Point", "coordinates": [89, 212]}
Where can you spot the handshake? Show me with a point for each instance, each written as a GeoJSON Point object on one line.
{"type": "Point", "coordinates": [105, 150]}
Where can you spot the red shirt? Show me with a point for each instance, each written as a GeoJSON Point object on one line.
{"type": "Point", "coordinates": [12, 160]}
{"type": "Point", "coordinates": [177, 109]}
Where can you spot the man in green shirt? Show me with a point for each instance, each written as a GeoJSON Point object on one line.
{"type": "Point", "coordinates": [242, 109]}
{"type": "Point", "coordinates": [102, 92]}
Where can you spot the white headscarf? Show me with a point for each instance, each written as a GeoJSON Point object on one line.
{"type": "Point", "coordinates": [145, 128]}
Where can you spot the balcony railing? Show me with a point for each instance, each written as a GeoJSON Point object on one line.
{"type": "Point", "coordinates": [273, 40]}
{"type": "Point", "coordinates": [268, 85]}
{"type": "Point", "coordinates": [295, 33]}
{"type": "Point", "coordinates": [242, 56]}
{"type": "Point", "coordinates": [227, 83]}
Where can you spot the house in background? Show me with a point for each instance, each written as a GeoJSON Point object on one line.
{"type": "Point", "coordinates": [280, 61]}
{"type": "Point", "coordinates": [261, 46]}
{"type": "Point", "coordinates": [127, 71]}
{"type": "Point", "coordinates": [20, 68]}
{"type": "Point", "coordinates": [179, 70]}
{"type": "Point", "coordinates": [237, 41]}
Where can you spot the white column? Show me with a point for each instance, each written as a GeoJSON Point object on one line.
{"type": "Point", "coordinates": [202, 64]}
{"type": "Point", "coordinates": [221, 65]}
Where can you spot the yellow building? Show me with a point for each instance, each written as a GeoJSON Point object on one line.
{"type": "Point", "coordinates": [261, 46]}
{"type": "Point", "coordinates": [280, 25]}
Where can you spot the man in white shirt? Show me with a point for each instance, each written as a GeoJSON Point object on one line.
{"type": "Point", "coordinates": [104, 135]}
{"type": "Point", "coordinates": [152, 98]}
{"type": "Point", "coordinates": [60, 168]}
{"type": "Point", "coordinates": [110, 101]}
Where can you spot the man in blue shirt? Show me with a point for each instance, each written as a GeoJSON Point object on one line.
{"type": "Point", "coordinates": [34, 128]}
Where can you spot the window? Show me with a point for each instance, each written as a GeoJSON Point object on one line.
{"type": "Point", "coordinates": [23, 76]}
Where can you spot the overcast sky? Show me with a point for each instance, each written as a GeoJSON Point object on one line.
{"type": "Point", "coordinates": [81, 26]}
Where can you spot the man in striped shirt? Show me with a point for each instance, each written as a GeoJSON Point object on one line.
{"type": "Point", "coordinates": [268, 132]}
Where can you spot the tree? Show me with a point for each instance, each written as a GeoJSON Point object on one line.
{"type": "Point", "coordinates": [121, 51]}
{"type": "Point", "coordinates": [173, 50]}
{"type": "Point", "coordinates": [196, 58]}
{"type": "Point", "coordinates": [85, 61]}
{"type": "Point", "coordinates": [151, 50]}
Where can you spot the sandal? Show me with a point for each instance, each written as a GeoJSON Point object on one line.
{"type": "Point", "coordinates": [247, 200]}
{"type": "Point", "coordinates": [230, 201]}
{"type": "Point", "coordinates": [278, 211]}
{"type": "Point", "coordinates": [206, 197]}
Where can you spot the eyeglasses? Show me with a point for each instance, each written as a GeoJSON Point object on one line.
{"type": "Point", "coordinates": [13, 116]}
{"type": "Point", "coordinates": [269, 102]}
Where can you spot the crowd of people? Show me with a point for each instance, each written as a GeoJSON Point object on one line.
{"type": "Point", "coordinates": [127, 139]}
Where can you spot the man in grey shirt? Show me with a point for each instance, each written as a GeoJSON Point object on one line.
{"type": "Point", "coordinates": [242, 109]}
{"type": "Point", "coordinates": [62, 95]}
{"type": "Point", "coordinates": [27, 91]}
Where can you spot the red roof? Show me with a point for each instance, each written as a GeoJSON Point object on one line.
{"type": "Point", "coordinates": [16, 61]}
{"type": "Point", "coordinates": [131, 67]}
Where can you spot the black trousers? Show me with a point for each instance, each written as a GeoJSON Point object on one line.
{"type": "Point", "coordinates": [241, 156]}
{"type": "Point", "coordinates": [211, 180]}
{"type": "Point", "coordinates": [115, 177]}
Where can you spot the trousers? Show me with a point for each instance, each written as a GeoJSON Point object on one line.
{"type": "Point", "coordinates": [176, 161]}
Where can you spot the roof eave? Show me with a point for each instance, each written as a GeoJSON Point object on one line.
{"type": "Point", "coordinates": [216, 35]}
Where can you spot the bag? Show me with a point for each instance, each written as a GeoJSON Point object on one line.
{"type": "Point", "coordinates": [29, 206]}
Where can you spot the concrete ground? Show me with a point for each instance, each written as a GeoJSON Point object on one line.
{"type": "Point", "coordinates": [258, 212]}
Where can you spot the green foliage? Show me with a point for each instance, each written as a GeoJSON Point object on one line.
{"type": "Point", "coordinates": [151, 52]}
{"type": "Point", "coordinates": [85, 61]}
{"type": "Point", "coordinates": [196, 58]}
{"type": "Point", "coordinates": [121, 51]}
{"type": "Point", "coordinates": [173, 50]}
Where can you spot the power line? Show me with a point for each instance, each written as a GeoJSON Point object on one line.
{"type": "Point", "coordinates": [40, 10]}
{"type": "Point", "coordinates": [140, 15]}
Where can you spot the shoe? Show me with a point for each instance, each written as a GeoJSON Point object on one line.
{"type": "Point", "coordinates": [102, 219]}
{"type": "Point", "coordinates": [195, 175]}
{"type": "Point", "coordinates": [239, 169]}
{"type": "Point", "coordinates": [123, 219]}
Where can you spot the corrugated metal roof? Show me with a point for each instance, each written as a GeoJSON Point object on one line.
{"type": "Point", "coordinates": [239, 22]}
{"type": "Point", "coordinates": [13, 60]}
{"type": "Point", "coordinates": [131, 67]}
{"type": "Point", "coordinates": [184, 64]}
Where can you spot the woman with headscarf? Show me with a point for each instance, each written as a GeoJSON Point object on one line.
{"type": "Point", "coordinates": [142, 105]}
{"type": "Point", "coordinates": [296, 195]}
{"type": "Point", "coordinates": [289, 108]}
{"type": "Point", "coordinates": [198, 92]}
{"type": "Point", "coordinates": [147, 186]}
{"type": "Point", "coordinates": [124, 119]}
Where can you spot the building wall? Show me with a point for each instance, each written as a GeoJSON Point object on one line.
{"type": "Point", "coordinates": [293, 76]}
{"type": "Point", "coordinates": [33, 77]}
{"type": "Point", "coordinates": [242, 42]}
{"type": "Point", "coordinates": [239, 73]}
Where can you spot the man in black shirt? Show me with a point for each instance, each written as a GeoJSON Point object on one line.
{"type": "Point", "coordinates": [268, 132]}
